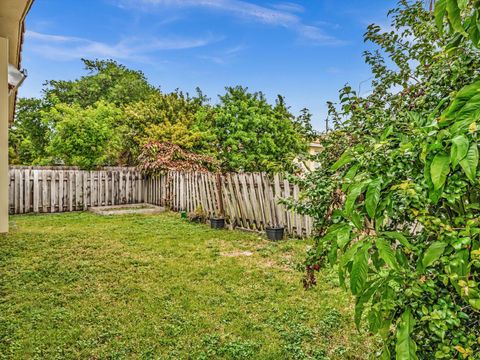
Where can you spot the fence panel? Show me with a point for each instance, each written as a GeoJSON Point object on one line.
{"type": "Point", "coordinates": [49, 190]}
{"type": "Point", "coordinates": [247, 200]}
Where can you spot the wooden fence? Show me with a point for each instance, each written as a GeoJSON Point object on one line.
{"type": "Point", "coordinates": [49, 190]}
{"type": "Point", "coordinates": [248, 200]}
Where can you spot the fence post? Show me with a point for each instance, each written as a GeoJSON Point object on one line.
{"type": "Point", "coordinates": [221, 208]}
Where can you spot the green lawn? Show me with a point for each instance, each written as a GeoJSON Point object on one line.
{"type": "Point", "coordinates": [156, 287]}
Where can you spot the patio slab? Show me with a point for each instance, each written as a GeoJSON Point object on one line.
{"type": "Point", "coordinates": [127, 209]}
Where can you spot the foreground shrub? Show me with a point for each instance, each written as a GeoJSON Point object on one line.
{"type": "Point", "coordinates": [398, 211]}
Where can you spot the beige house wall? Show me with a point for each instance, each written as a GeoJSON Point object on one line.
{"type": "Point", "coordinates": [12, 26]}
{"type": "Point", "coordinates": [4, 121]}
{"type": "Point", "coordinates": [314, 149]}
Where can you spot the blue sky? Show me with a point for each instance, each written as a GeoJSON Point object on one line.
{"type": "Point", "coordinates": [304, 50]}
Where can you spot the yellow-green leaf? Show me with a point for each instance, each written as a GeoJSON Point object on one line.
{"type": "Point", "coordinates": [433, 253]}
{"type": "Point", "coordinates": [462, 4]}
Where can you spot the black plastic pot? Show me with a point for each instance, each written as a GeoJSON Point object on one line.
{"type": "Point", "coordinates": [275, 233]}
{"type": "Point", "coordinates": [217, 223]}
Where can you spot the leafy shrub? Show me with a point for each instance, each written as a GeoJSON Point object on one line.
{"type": "Point", "coordinates": [157, 157]}
{"type": "Point", "coordinates": [82, 136]}
{"type": "Point", "coordinates": [399, 208]}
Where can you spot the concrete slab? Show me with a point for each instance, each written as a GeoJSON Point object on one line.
{"type": "Point", "coordinates": [127, 209]}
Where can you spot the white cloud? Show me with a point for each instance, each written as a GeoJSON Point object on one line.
{"type": "Point", "coordinates": [236, 7]}
{"type": "Point", "coordinates": [315, 34]}
{"type": "Point", "coordinates": [50, 38]}
{"type": "Point", "coordinates": [289, 6]}
{"type": "Point", "coordinates": [225, 56]}
{"type": "Point", "coordinates": [60, 47]}
{"type": "Point", "coordinates": [280, 14]}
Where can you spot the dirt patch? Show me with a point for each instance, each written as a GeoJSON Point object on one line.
{"type": "Point", "coordinates": [237, 254]}
{"type": "Point", "coordinates": [269, 263]}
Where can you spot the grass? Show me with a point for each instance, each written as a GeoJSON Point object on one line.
{"type": "Point", "coordinates": [84, 286]}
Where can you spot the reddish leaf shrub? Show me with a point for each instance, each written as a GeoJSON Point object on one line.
{"type": "Point", "coordinates": [162, 156]}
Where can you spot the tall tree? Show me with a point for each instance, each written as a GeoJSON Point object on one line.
{"type": "Point", "coordinates": [175, 118]}
{"type": "Point", "coordinates": [254, 136]}
{"type": "Point", "coordinates": [107, 81]}
{"type": "Point", "coordinates": [29, 135]}
{"type": "Point", "coordinates": [83, 137]}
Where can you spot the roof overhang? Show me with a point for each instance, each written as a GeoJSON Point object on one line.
{"type": "Point", "coordinates": [12, 27]}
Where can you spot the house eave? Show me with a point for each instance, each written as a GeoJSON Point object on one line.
{"type": "Point", "coordinates": [12, 27]}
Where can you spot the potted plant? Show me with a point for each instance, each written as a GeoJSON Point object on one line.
{"type": "Point", "coordinates": [217, 222]}
{"type": "Point", "coordinates": [275, 232]}
{"type": "Point", "coordinates": [198, 216]}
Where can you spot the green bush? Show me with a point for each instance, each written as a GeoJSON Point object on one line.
{"type": "Point", "coordinates": [398, 210]}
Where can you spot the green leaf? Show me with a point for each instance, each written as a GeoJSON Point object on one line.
{"type": "Point", "coordinates": [475, 303]}
{"type": "Point", "coordinates": [471, 110]}
{"type": "Point", "coordinates": [455, 17]}
{"type": "Point", "coordinates": [386, 253]}
{"type": "Point", "coordinates": [343, 236]}
{"type": "Point", "coordinates": [332, 253]}
{"type": "Point", "coordinates": [399, 237]}
{"type": "Point", "coordinates": [349, 254]}
{"type": "Point", "coordinates": [343, 160]}
{"type": "Point", "coordinates": [357, 220]}
{"type": "Point", "coordinates": [371, 288]}
{"type": "Point", "coordinates": [433, 253]}
{"type": "Point", "coordinates": [459, 149]}
{"type": "Point", "coordinates": [459, 266]}
{"type": "Point", "coordinates": [406, 349]}
{"type": "Point", "coordinates": [439, 170]}
{"type": "Point", "coordinates": [470, 163]}
{"type": "Point", "coordinates": [372, 197]}
{"type": "Point", "coordinates": [466, 94]}
{"type": "Point", "coordinates": [359, 273]}
{"type": "Point", "coordinates": [388, 131]}
{"type": "Point", "coordinates": [440, 12]}
{"type": "Point", "coordinates": [352, 196]}
{"type": "Point", "coordinates": [349, 177]}
{"type": "Point", "coordinates": [374, 320]}
{"type": "Point", "coordinates": [462, 4]}
{"type": "Point", "coordinates": [385, 354]}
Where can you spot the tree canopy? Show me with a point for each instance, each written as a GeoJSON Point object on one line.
{"type": "Point", "coordinates": [110, 115]}
{"type": "Point", "coordinates": [254, 136]}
